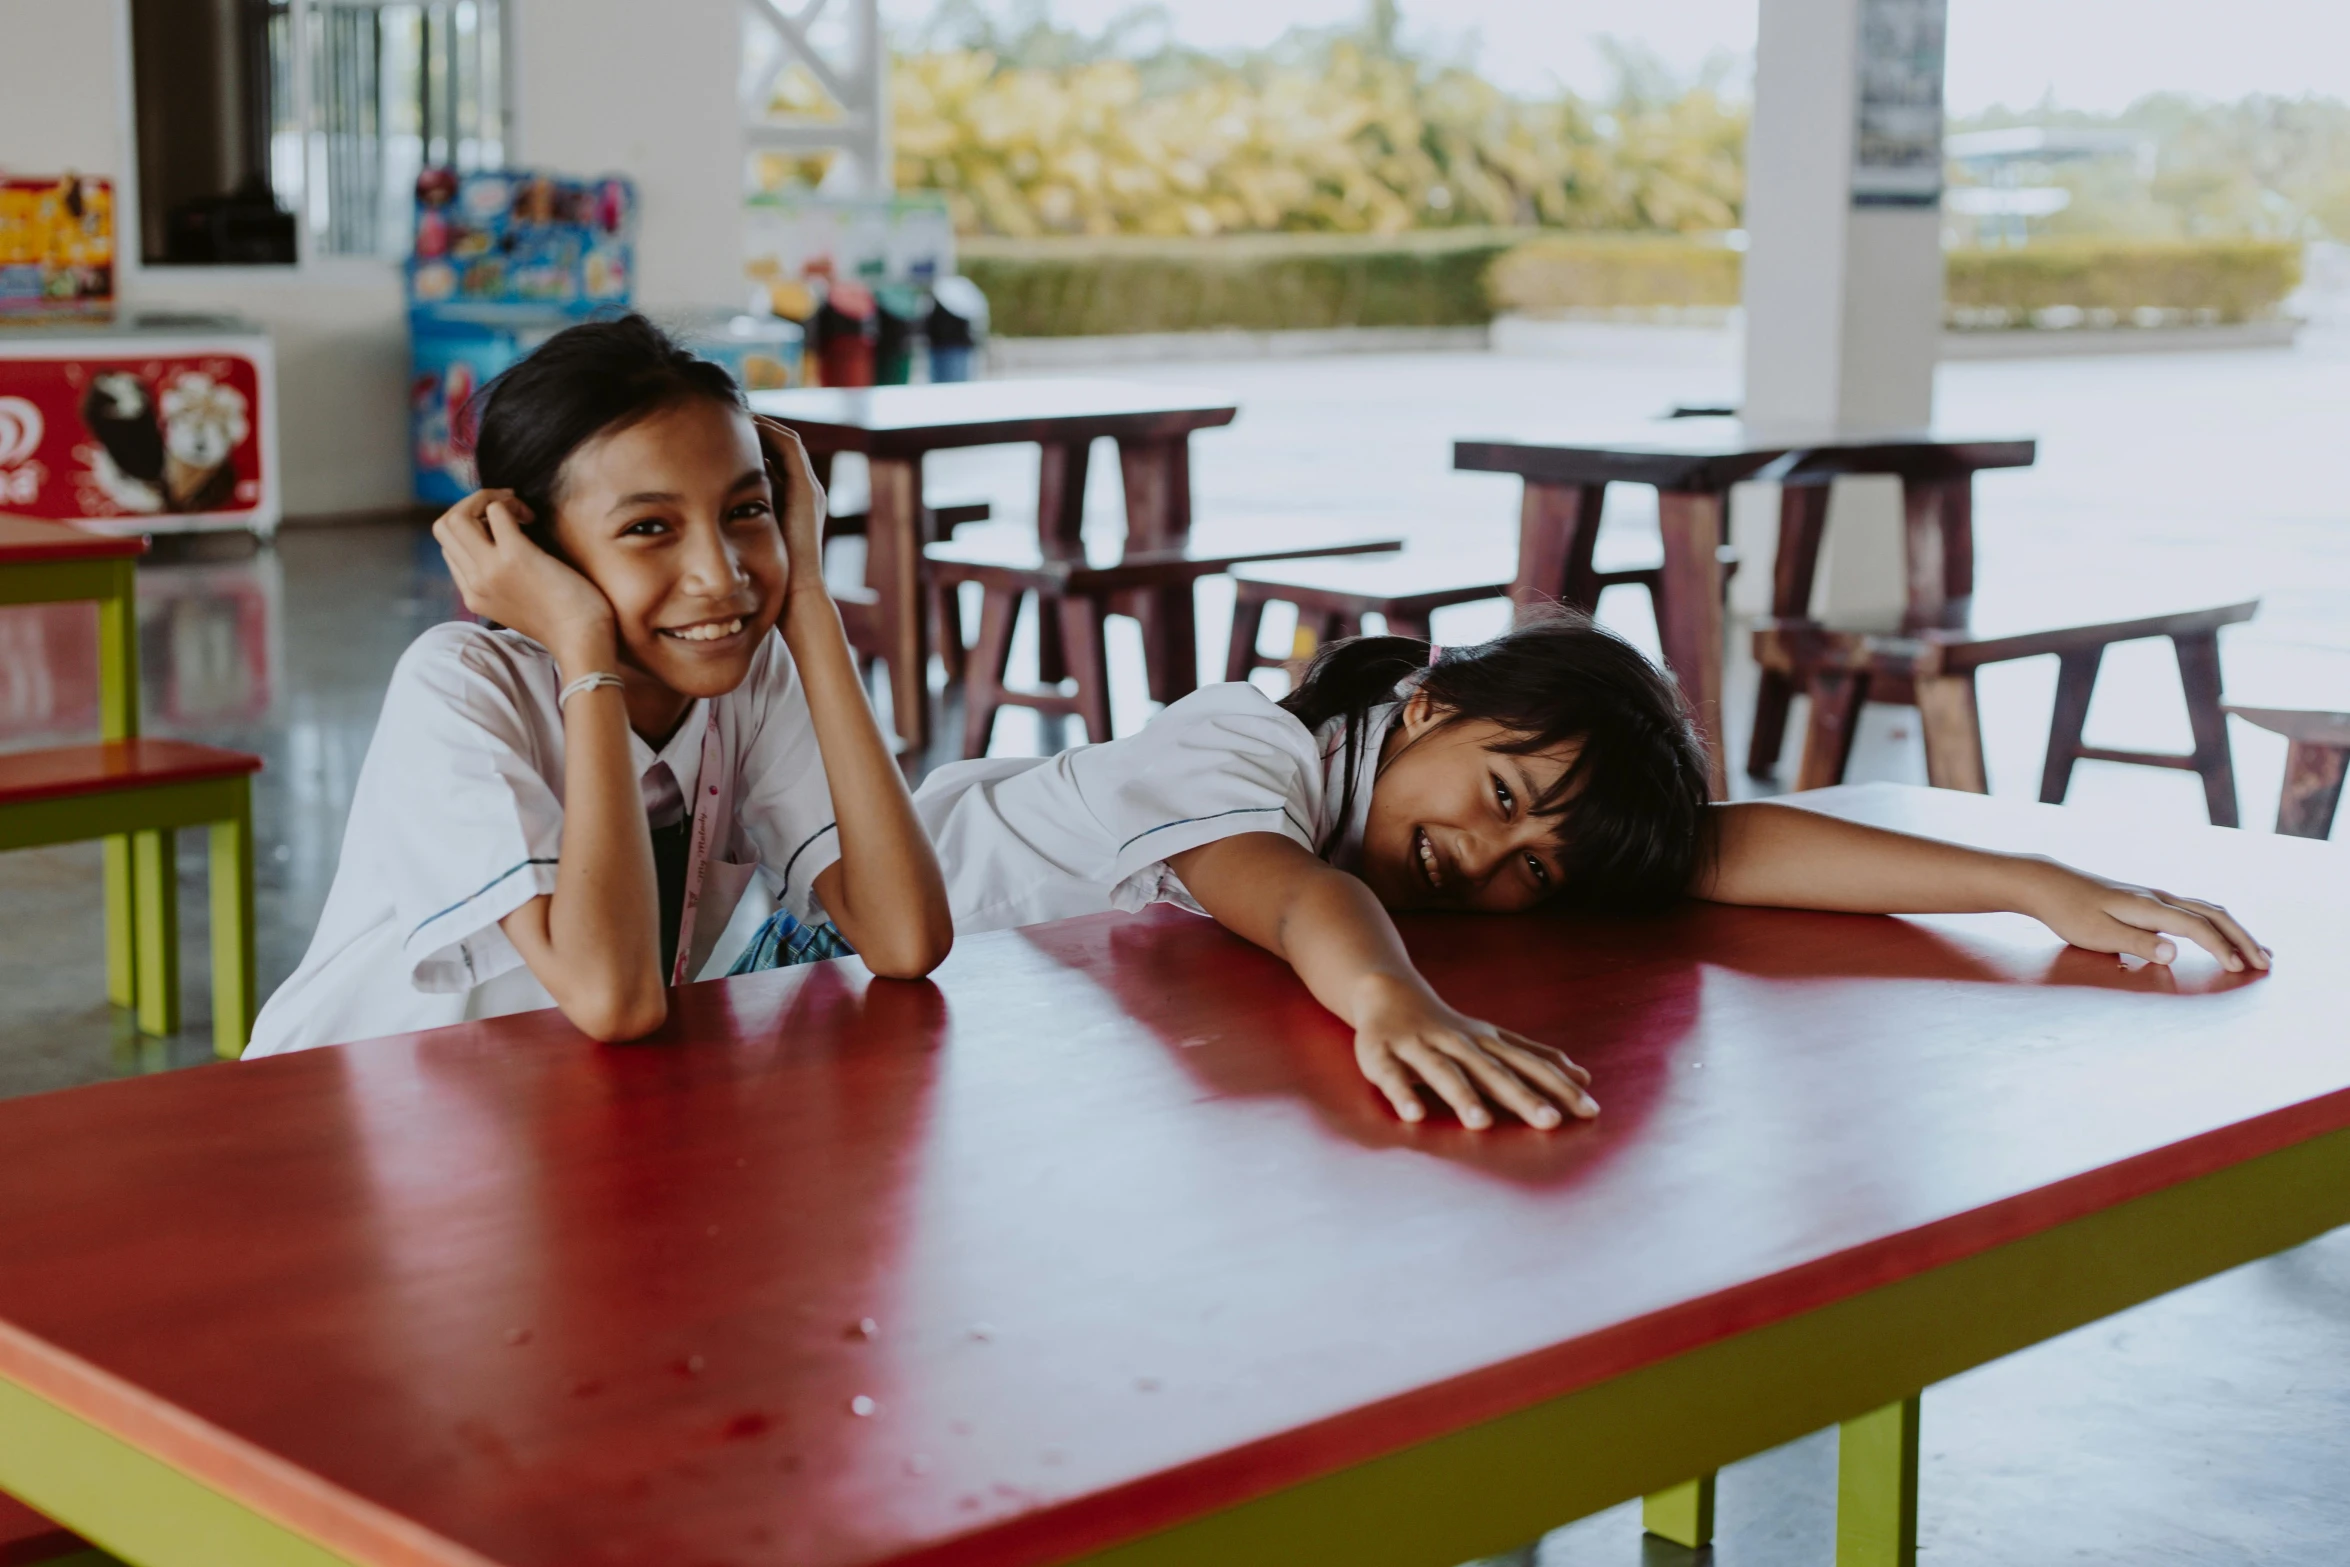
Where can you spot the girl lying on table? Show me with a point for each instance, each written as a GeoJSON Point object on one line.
{"type": "Point", "coordinates": [1550, 766]}
{"type": "Point", "coordinates": [565, 811]}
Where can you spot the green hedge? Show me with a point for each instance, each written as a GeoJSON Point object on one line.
{"type": "Point", "coordinates": [1262, 283]}
{"type": "Point", "coordinates": [1462, 277]}
{"type": "Point", "coordinates": [2218, 280]}
{"type": "Point", "coordinates": [1606, 272]}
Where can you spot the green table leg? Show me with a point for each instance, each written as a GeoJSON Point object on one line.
{"type": "Point", "coordinates": [1877, 1488]}
{"type": "Point", "coordinates": [1684, 1514]}
{"type": "Point", "coordinates": [155, 879]}
{"type": "Point", "coordinates": [118, 719]}
{"type": "Point", "coordinates": [122, 925]}
{"type": "Point", "coordinates": [232, 930]}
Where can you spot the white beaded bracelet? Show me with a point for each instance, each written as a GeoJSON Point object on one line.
{"type": "Point", "coordinates": [585, 683]}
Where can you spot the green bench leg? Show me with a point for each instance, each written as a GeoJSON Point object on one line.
{"type": "Point", "coordinates": [155, 896]}
{"type": "Point", "coordinates": [122, 925]}
{"type": "Point", "coordinates": [1877, 1488]}
{"type": "Point", "coordinates": [1683, 1514]}
{"type": "Point", "coordinates": [232, 930]}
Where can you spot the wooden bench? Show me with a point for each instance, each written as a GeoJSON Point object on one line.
{"type": "Point", "coordinates": [145, 790]}
{"type": "Point", "coordinates": [1557, 535]}
{"type": "Point", "coordinates": [1076, 594]}
{"type": "Point", "coordinates": [1934, 669]}
{"type": "Point", "coordinates": [2314, 764]}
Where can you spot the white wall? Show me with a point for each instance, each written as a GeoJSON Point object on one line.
{"type": "Point", "coordinates": [601, 86]}
{"type": "Point", "coordinates": [646, 90]}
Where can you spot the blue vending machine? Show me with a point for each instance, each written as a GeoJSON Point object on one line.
{"type": "Point", "coordinates": [502, 260]}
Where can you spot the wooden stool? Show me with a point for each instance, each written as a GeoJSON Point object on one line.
{"type": "Point", "coordinates": [2314, 765]}
{"type": "Point", "coordinates": [1934, 671]}
{"type": "Point", "coordinates": [145, 789]}
{"type": "Point", "coordinates": [1556, 539]}
{"type": "Point", "coordinates": [1077, 595]}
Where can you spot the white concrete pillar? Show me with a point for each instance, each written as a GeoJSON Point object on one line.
{"type": "Point", "coordinates": [1843, 291]}
{"type": "Point", "coordinates": [649, 91]}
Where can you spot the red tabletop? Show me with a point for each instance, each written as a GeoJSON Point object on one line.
{"type": "Point", "coordinates": [28, 541]}
{"type": "Point", "coordinates": [1104, 1224]}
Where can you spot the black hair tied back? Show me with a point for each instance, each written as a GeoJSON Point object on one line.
{"type": "Point", "coordinates": [1632, 806]}
{"type": "Point", "coordinates": [584, 381]}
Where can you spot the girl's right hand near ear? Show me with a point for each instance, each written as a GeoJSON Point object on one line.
{"type": "Point", "coordinates": [1405, 1037]}
{"type": "Point", "coordinates": [504, 576]}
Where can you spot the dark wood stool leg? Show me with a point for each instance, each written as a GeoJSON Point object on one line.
{"type": "Point", "coordinates": [1060, 528]}
{"type": "Point", "coordinates": [2199, 680]}
{"type": "Point", "coordinates": [2076, 682]}
{"type": "Point", "coordinates": [2313, 788]}
{"type": "Point", "coordinates": [1089, 660]}
{"type": "Point", "coordinates": [893, 568]}
{"type": "Point", "coordinates": [1836, 699]}
{"type": "Point", "coordinates": [983, 680]}
{"type": "Point", "coordinates": [1689, 615]}
{"type": "Point", "coordinates": [1157, 475]}
{"type": "Point", "coordinates": [1772, 697]}
{"type": "Point", "coordinates": [1248, 619]}
{"type": "Point", "coordinates": [1803, 520]}
{"type": "Point", "coordinates": [946, 620]}
{"type": "Point", "coordinates": [1953, 732]}
{"type": "Point", "coordinates": [1400, 624]}
{"type": "Point", "coordinates": [1557, 526]}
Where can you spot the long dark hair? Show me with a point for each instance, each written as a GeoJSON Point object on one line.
{"type": "Point", "coordinates": [582, 382]}
{"type": "Point", "coordinates": [1631, 807]}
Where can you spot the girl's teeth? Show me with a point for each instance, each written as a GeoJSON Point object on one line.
{"type": "Point", "coordinates": [709, 633]}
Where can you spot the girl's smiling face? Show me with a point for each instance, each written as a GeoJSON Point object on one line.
{"type": "Point", "coordinates": [673, 520]}
{"type": "Point", "coordinates": [1451, 824]}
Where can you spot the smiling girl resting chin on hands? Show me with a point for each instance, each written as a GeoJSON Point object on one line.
{"type": "Point", "coordinates": [567, 809]}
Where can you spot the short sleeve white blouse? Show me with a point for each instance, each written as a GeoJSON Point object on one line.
{"type": "Point", "coordinates": [1027, 839]}
{"type": "Point", "coordinates": [457, 821]}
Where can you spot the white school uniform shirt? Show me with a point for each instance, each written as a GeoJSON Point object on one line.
{"type": "Point", "coordinates": [457, 821]}
{"type": "Point", "coordinates": [1027, 839]}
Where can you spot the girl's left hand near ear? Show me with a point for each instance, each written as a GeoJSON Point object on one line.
{"type": "Point", "coordinates": [504, 576]}
{"type": "Point", "coordinates": [799, 504]}
{"type": "Point", "coordinates": [2112, 916]}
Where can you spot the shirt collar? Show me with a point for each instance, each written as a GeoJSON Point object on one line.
{"type": "Point", "coordinates": [667, 777]}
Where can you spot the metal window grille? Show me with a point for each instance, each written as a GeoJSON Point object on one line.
{"type": "Point", "coordinates": [394, 89]}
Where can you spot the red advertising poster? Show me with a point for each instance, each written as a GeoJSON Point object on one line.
{"type": "Point", "coordinates": [162, 436]}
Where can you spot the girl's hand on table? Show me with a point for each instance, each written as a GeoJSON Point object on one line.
{"type": "Point", "coordinates": [799, 507]}
{"type": "Point", "coordinates": [503, 575]}
{"type": "Point", "coordinates": [1405, 1038]}
{"type": "Point", "coordinates": [2112, 916]}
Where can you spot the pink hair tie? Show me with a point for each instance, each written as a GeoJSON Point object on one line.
{"type": "Point", "coordinates": [1435, 652]}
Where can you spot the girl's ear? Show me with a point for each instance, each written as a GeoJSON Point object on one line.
{"type": "Point", "coordinates": [1419, 714]}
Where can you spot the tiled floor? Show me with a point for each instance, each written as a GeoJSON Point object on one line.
{"type": "Point", "coordinates": [2206, 1428]}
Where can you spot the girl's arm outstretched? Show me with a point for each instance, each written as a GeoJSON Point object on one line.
{"type": "Point", "coordinates": [1330, 927]}
{"type": "Point", "coordinates": [885, 893]}
{"type": "Point", "coordinates": [1788, 857]}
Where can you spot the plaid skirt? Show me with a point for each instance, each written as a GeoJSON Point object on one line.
{"type": "Point", "coordinates": [784, 941]}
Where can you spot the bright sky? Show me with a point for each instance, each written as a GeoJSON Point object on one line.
{"type": "Point", "coordinates": [2095, 54]}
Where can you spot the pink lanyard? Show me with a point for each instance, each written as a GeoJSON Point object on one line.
{"type": "Point", "coordinates": [707, 800]}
